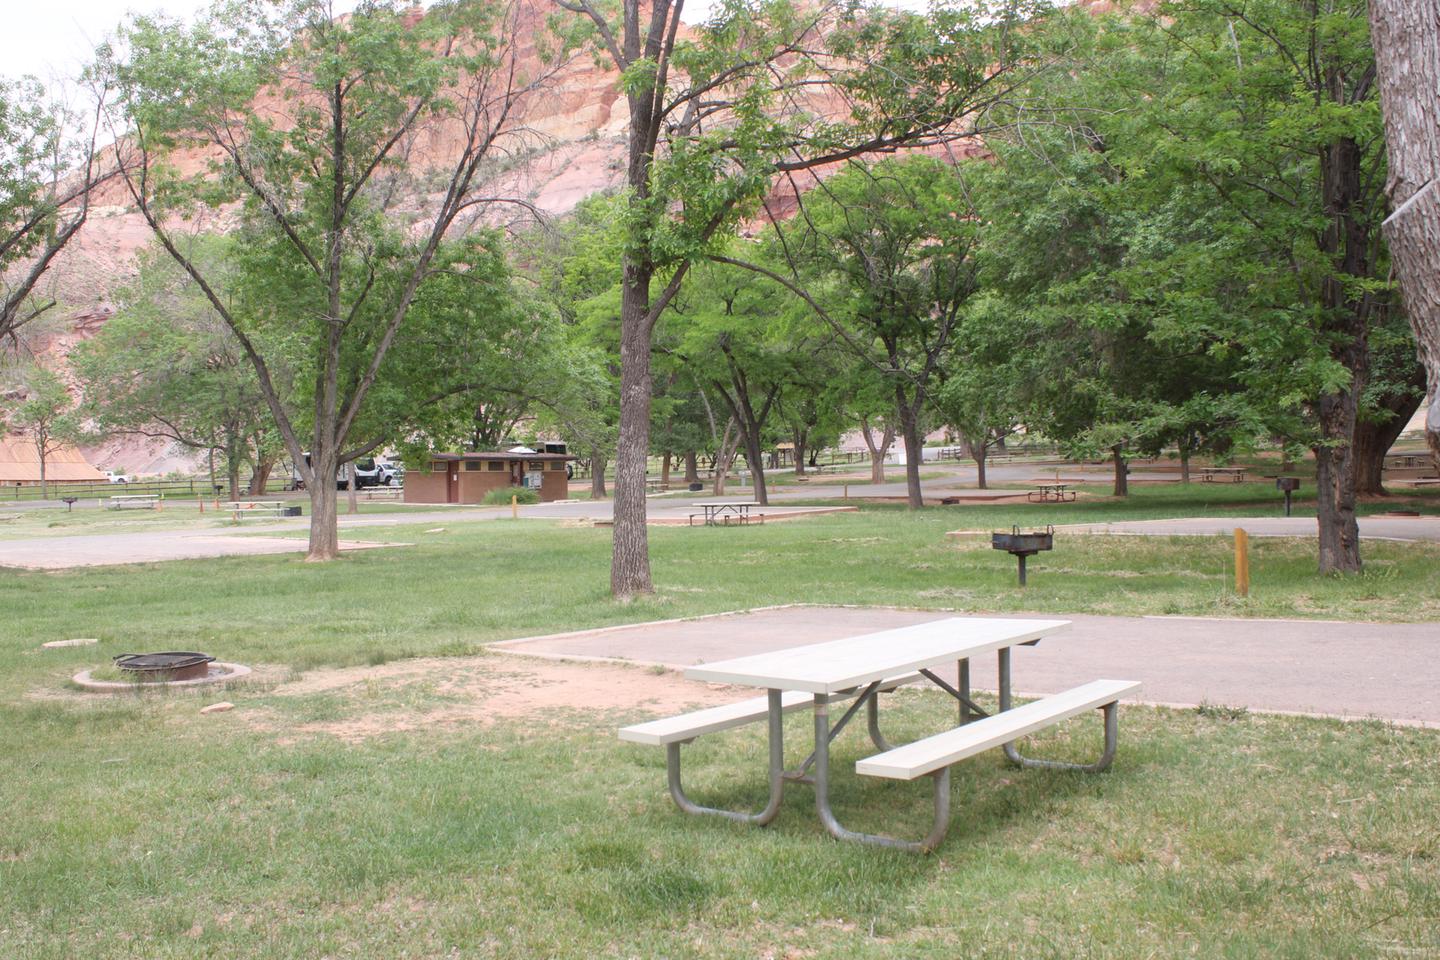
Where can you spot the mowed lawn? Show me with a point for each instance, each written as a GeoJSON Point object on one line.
{"type": "Point", "coordinates": [133, 827]}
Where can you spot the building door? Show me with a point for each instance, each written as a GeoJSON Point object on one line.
{"type": "Point", "coordinates": [452, 482]}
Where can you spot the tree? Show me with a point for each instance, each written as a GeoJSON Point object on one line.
{"type": "Point", "coordinates": [47, 414]}
{"type": "Point", "coordinates": [1288, 141]}
{"type": "Point", "coordinates": [1406, 38]}
{"type": "Point", "coordinates": [982, 396]}
{"type": "Point", "coordinates": [166, 366]}
{"type": "Point", "coordinates": [765, 87]}
{"type": "Point", "coordinates": [888, 250]}
{"type": "Point", "coordinates": [340, 209]}
{"type": "Point", "coordinates": [1226, 160]}
{"type": "Point", "coordinates": [48, 170]}
{"type": "Point", "coordinates": [740, 349]}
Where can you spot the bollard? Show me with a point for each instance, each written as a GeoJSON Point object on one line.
{"type": "Point", "coordinates": [847, 492]}
{"type": "Point", "coordinates": [202, 505]}
{"type": "Point", "coordinates": [1242, 562]}
{"type": "Point", "coordinates": [514, 507]}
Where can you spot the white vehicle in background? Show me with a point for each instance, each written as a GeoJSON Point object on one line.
{"type": "Point", "coordinates": [114, 477]}
{"type": "Point", "coordinates": [370, 472]}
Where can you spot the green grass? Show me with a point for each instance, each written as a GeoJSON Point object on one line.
{"type": "Point", "coordinates": [134, 828]}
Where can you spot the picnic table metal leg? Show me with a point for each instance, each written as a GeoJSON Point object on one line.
{"type": "Point", "coordinates": [940, 778]}
{"type": "Point", "coordinates": [777, 774]}
{"type": "Point", "coordinates": [962, 674]}
{"type": "Point", "coordinates": [873, 722]}
{"type": "Point", "coordinates": [1112, 733]}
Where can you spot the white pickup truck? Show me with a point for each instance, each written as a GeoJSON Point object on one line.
{"type": "Point", "coordinates": [114, 477]}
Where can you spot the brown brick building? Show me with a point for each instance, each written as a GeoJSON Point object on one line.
{"type": "Point", "coordinates": [467, 477]}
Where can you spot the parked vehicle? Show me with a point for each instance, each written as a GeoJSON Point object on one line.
{"type": "Point", "coordinates": [114, 477]}
{"type": "Point", "coordinates": [371, 472]}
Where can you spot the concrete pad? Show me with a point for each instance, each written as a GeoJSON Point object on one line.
{"type": "Point", "coordinates": [1301, 666]}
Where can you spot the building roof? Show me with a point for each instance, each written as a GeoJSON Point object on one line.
{"type": "Point", "coordinates": [502, 455]}
{"type": "Point", "coordinates": [19, 463]}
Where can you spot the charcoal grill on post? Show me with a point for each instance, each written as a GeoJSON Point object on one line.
{"type": "Point", "coordinates": [1287, 486]}
{"type": "Point", "coordinates": [169, 666]}
{"type": "Point", "coordinates": [1022, 545]}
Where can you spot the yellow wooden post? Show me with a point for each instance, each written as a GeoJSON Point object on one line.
{"type": "Point", "coordinates": [514, 507]}
{"type": "Point", "coordinates": [1242, 562]}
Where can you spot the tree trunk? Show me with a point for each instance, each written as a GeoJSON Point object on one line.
{"type": "Point", "coordinates": [692, 469]}
{"type": "Point", "coordinates": [1335, 503]}
{"type": "Point", "coordinates": [598, 463]}
{"type": "Point", "coordinates": [877, 453]}
{"type": "Point", "coordinates": [978, 452]}
{"type": "Point", "coordinates": [914, 449]}
{"type": "Point", "coordinates": [324, 532]}
{"type": "Point", "coordinates": [1122, 471]}
{"type": "Point", "coordinates": [1184, 462]}
{"type": "Point", "coordinates": [726, 456]}
{"type": "Point", "coordinates": [232, 476]}
{"type": "Point", "coordinates": [1374, 438]}
{"type": "Point", "coordinates": [665, 472]}
{"type": "Point", "coordinates": [755, 457]}
{"type": "Point", "coordinates": [630, 546]}
{"type": "Point", "coordinates": [352, 489]}
{"type": "Point", "coordinates": [798, 438]}
{"type": "Point", "coordinates": [261, 477]}
{"type": "Point", "coordinates": [44, 484]}
{"type": "Point", "coordinates": [1406, 38]}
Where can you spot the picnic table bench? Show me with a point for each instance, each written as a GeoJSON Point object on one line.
{"type": "Point", "coordinates": [148, 501]}
{"type": "Point", "coordinates": [722, 513]}
{"type": "Point", "coordinates": [1051, 493]}
{"type": "Point", "coordinates": [1216, 474]}
{"type": "Point", "coordinates": [859, 669]}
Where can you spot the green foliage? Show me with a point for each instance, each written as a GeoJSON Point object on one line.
{"type": "Point", "coordinates": [503, 496]}
{"type": "Point", "coordinates": [45, 177]}
{"type": "Point", "coordinates": [165, 365]}
{"type": "Point", "coordinates": [342, 236]}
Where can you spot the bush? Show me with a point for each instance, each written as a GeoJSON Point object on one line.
{"type": "Point", "coordinates": [501, 497]}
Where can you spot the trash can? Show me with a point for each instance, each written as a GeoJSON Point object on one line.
{"type": "Point", "coordinates": [696, 487]}
{"type": "Point", "coordinates": [290, 511]}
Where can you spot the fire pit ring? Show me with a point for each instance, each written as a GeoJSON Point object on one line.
{"type": "Point", "coordinates": [215, 673]}
{"type": "Point", "coordinates": [169, 666]}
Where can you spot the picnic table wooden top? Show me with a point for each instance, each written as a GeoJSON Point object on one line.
{"type": "Point", "coordinates": [727, 503]}
{"type": "Point", "coordinates": [842, 664]}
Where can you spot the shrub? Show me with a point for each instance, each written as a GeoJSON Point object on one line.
{"type": "Point", "coordinates": [501, 497]}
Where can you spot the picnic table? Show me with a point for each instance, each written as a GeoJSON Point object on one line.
{"type": "Point", "coordinates": [148, 501]}
{"type": "Point", "coordinates": [719, 513]}
{"type": "Point", "coordinates": [1051, 493]}
{"type": "Point", "coordinates": [858, 669]}
{"type": "Point", "coordinates": [241, 509]}
{"type": "Point", "coordinates": [1215, 474]}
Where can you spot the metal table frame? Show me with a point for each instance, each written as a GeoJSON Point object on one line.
{"type": "Point", "coordinates": [825, 733]}
{"type": "Point", "coordinates": [1051, 493]}
{"type": "Point", "coordinates": [719, 514]}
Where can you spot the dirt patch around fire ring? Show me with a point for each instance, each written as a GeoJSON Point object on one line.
{"type": "Point", "coordinates": [447, 692]}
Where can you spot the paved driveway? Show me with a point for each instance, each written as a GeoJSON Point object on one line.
{"type": "Point", "coordinates": [1390, 671]}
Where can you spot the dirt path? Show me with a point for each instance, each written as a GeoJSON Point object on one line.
{"type": "Point", "coordinates": [440, 692]}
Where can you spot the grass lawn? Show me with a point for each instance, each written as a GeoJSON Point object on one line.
{"type": "Point", "coordinates": [134, 828]}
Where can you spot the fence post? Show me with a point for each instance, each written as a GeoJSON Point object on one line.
{"type": "Point", "coordinates": [1242, 562]}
